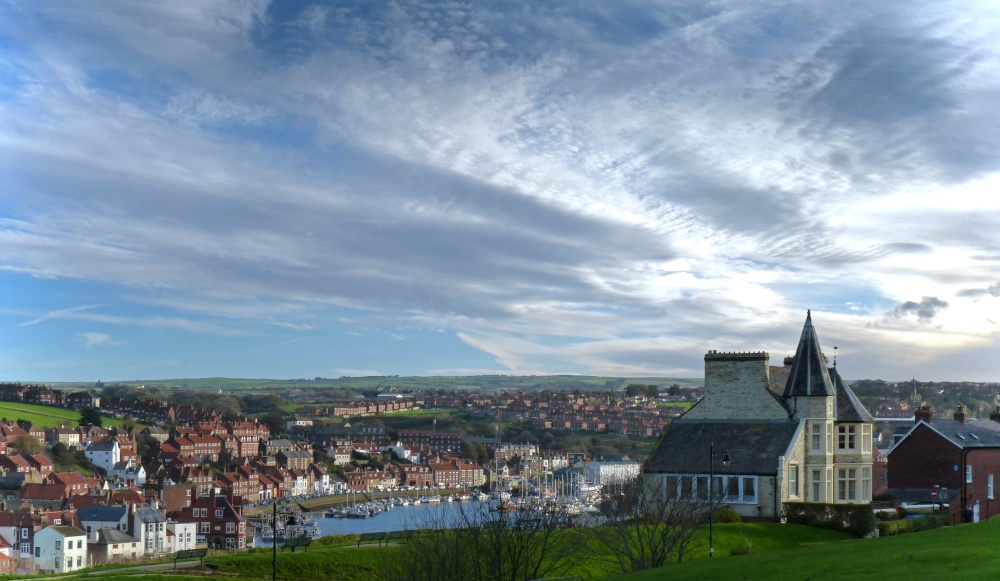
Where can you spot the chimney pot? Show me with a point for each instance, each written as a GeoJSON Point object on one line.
{"type": "Point", "coordinates": [925, 413]}
{"type": "Point", "coordinates": [961, 415]}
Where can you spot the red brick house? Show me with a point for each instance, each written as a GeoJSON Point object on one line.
{"type": "Point", "coordinates": [950, 460]}
{"type": "Point", "coordinates": [437, 441]}
{"type": "Point", "coordinates": [220, 524]}
{"type": "Point", "coordinates": [415, 475]}
{"type": "Point", "coordinates": [16, 464]}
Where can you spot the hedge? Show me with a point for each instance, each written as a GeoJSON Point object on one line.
{"type": "Point", "coordinates": [857, 519]}
{"type": "Point", "coordinates": [906, 525]}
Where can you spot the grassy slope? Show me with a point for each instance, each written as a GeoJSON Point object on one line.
{"type": "Point", "coordinates": [353, 564]}
{"type": "Point", "coordinates": [44, 415]}
{"type": "Point", "coordinates": [962, 552]}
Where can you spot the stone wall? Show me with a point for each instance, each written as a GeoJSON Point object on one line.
{"type": "Point", "coordinates": [736, 388]}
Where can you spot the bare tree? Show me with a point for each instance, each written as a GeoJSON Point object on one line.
{"type": "Point", "coordinates": [483, 542]}
{"type": "Point", "coordinates": [644, 527]}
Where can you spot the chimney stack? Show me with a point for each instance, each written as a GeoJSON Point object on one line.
{"type": "Point", "coordinates": [995, 414]}
{"type": "Point", "coordinates": [924, 413]}
{"type": "Point", "coordinates": [961, 415]}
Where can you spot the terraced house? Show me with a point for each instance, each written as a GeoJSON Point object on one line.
{"type": "Point", "coordinates": [790, 434]}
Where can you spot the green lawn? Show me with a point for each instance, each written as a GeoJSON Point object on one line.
{"type": "Point", "coordinates": [958, 552]}
{"type": "Point", "coordinates": [338, 558]}
{"type": "Point", "coordinates": [777, 552]}
{"type": "Point", "coordinates": [43, 415]}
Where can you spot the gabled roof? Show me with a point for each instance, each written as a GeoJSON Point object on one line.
{"type": "Point", "coordinates": [102, 513]}
{"type": "Point", "coordinates": [753, 446]}
{"type": "Point", "coordinates": [67, 531]}
{"type": "Point", "coordinates": [975, 434]}
{"type": "Point", "coordinates": [110, 536]}
{"type": "Point", "coordinates": [148, 514]}
{"type": "Point", "coordinates": [809, 376]}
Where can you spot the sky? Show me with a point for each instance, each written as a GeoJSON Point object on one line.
{"type": "Point", "coordinates": [296, 190]}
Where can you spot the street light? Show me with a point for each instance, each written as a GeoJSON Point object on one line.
{"type": "Point", "coordinates": [274, 536]}
{"type": "Point", "coordinates": [711, 485]}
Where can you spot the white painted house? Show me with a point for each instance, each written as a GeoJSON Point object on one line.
{"type": "Point", "coordinates": [60, 549]}
{"type": "Point", "coordinates": [104, 455]}
{"type": "Point", "coordinates": [113, 546]}
{"type": "Point", "coordinates": [181, 536]}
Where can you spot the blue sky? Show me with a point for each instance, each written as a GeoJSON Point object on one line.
{"type": "Point", "coordinates": [297, 189]}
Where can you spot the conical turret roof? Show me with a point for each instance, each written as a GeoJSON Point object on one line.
{"type": "Point", "coordinates": [809, 375]}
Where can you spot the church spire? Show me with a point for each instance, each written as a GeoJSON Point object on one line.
{"type": "Point", "coordinates": [809, 375]}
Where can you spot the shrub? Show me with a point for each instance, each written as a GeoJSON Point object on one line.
{"type": "Point", "coordinates": [743, 549]}
{"type": "Point", "coordinates": [906, 525]}
{"type": "Point", "coordinates": [857, 519]}
{"type": "Point", "coordinates": [726, 515]}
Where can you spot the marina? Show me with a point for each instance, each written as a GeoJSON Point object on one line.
{"type": "Point", "coordinates": [413, 513]}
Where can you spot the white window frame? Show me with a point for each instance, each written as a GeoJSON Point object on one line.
{"type": "Point", "coordinates": [793, 481]}
{"type": "Point", "coordinates": [847, 484]}
{"type": "Point", "coordinates": [989, 486]}
{"type": "Point", "coordinates": [687, 487]}
{"type": "Point", "coordinates": [847, 437]}
{"type": "Point", "coordinates": [968, 474]}
{"type": "Point", "coordinates": [817, 485]}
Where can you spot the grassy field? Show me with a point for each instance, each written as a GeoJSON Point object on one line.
{"type": "Point", "coordinates": [43, 415]}
{"type": "Point", "coordinates": [965, 552]}
{"type": "Point", "coordinates": [958, 552]}
{"type": "Point", "coordinates": [777, 552]}
{"type": "Point", "coordinates": [339, 558]}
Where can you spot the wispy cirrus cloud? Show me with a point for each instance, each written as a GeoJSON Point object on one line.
{"type": "Point", "coordinates": [589, 188]}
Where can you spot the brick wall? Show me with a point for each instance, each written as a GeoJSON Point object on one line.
{"type": "Point", "coordinates": [925, 459]}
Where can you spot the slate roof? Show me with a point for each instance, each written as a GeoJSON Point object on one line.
{"type": "Point", "coordinates": [67, 531]}
{"type": "Point", "coordinates": [753, 445]}
{"type": "Point", "coordinates": [107, 446]}
{"type": "Point", "coordinates": [148, 514]}
{"type": "Point", "coordinates": [111, 536]}
{"type": "Point", "coordinates": [102, 513]}
{"type": "Point", "coordinates": [975, 434]}
{"type": "Point", "coordinates": [849, 407]}
{"type": "Point", "coordinates": [809, 374]}
{"type": "Point", "coordinates": [297, 454]}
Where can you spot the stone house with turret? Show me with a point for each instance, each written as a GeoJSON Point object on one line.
{"type": "Point", "coordinates": [791, 434]}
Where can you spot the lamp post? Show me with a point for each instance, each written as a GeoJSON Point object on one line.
{"type": "Point", "coordinates": [274, 536]}
{"type": "Point", "coordinates": [711, 498]}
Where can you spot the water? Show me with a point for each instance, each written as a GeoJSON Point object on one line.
{"type": "Point", "coordinates": [420, 516]}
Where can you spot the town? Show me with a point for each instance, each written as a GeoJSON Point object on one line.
{"type": "Point", "coordinates": [138, 477]}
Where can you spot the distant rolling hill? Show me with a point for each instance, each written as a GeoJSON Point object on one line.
{"type": "Point", "coordinates": [475, 382]}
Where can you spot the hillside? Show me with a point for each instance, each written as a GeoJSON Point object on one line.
{"type": "Point", "coordinates": [471, 382]}
{"type": "Point", "coordinates": [43, 415]}
{"type": "Point", "coordinates": [958, 552]}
